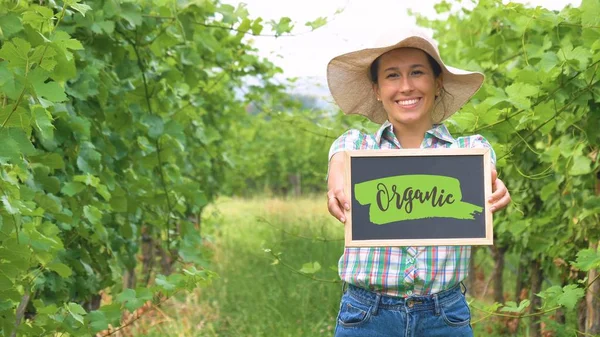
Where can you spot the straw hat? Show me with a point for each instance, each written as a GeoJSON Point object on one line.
{"type": "Point", "coordinates": [351, 87]}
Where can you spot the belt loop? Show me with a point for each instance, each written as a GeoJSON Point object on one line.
{"type": "Point", "coordinates": [436, 303]}
{"type": "Point", "coordinates": [376, 306]}
{"type": "Point", "coordinates": [463, 288]}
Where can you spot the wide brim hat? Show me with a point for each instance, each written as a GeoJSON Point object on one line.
{"type": "Point", "coordinates": [352, 89]}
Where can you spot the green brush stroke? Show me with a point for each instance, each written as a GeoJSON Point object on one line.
{"type": "Point", "coordinates": [395, 191]}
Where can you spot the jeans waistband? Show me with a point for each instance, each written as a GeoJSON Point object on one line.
{"type": "Point", "coordinates": [412, 303]}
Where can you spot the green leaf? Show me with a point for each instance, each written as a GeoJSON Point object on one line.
{"type": "Point", "coordinates": [19, 118]}
{"type": "Point", "coordinates": [551, 296]}
{"type": "Point", "coordinates": [544, 112]}
{"type": "Point", "coordinates": [549, 190]}
{"type": "Point", "coordinates": [442, 7]}
{"type": "Point", "coordinates": [3, 231]}
{"type": "Point", "coordinates": [49, 202]}
{"type": "Point", "coordinates": [16, 52]}
{"type": "Point", "coordinates": [241, 12]}
{"type": "Point", "coordinates": [164, 283]}
{"type": "Point", "coordinates": [51, 91]}
{"type": "Point", "coordinates": [119, 204]}
{"type": "Point", "coordinates": [571, 295]}
{"type": "Point", "coordinates": [103, 191]}
{"type": "Point", "coordinates": [132, 13]}
{"type": "Point", "coordinates": [6, 76]}
{"type": "Point", "coordinates": [5, 283]}
{"type": "Point", "coordinates": [64, 41]}
{"type": "Point", "coordinates": [45, 309]}
{"type": "Point", "coordinates": [581, 165]}
{"type": "Point", "coordinates": [87, 179]}
{"type": "Point", "coordinates": [97, 321]}
{"type": "Point", "coordinates": [227, 11]}
{"type": "Point", "coordinates": [244, 26]}
{"type": "Point", "coordinates": [587, 259]}
{"type": "Point", "coordinates": [64, 69]}
{"type": "Point", "coordinates": [519, 94]}
{"type": "Point", "coordinates": [9, 26]}
{"type": "Point", "coordinates": [317, 23]}
{"type": "Point", "coordinates": [310, 268]}
{"type": "Point", "coordinates": [126, 295]}
{"type": "Point", "coordinates": [15, 252]}
{"type": "Point", "coordinates": [130, 299]}
{"type": "Point", "coordinates": [548, 61]}
{"type": "Point", "coordinates": [81, 8]}
{"type": "Point", "coordinates": [512, 306]}
{"type": "Point", "coordinates": [283, 26]}
{"type": "Point", "coordinates": [60, 268]}
{"type": "Point", "coordinates": [11, 205]}
{"type": "Point", "coordinates": [155, 125]}
{"type": "Point", "coordinates": [76, 311]}
{"type": "Point", "coordinates": [257, 27]}
{"type": "Point", "coordinates": [38, 17]}
{"type": "Point", "coordinates": [88, 160]}
{"type": "Point", "coordinates": [43, 121]}
{"type": "Point", "coordinates": [10, 85]}
{"type": "Point", "coordinates": [15, 143]}
{"type": "Point", "coordinates": [103, 26]}
{"type": "Point", "coordinates": [463, 121]}
{"type": "Point", "coordinates": [579, 54]}
{"type": "Point", "coordinates": [93, 214]}
{"type": "Point", "coordinates": [52, 160]}
{"type": "Point", "coordinates": [589, 13]}
{"type": "Point", "coordinates": [81, 129]}
{"type": "Point", "coordinates": [111, 8]}
{"type": "Point", "coordinates": [592, 202]}
{"type": "Point", "coordinates": [113, 313]}
{"type": "Point", "coordinates": [72, 188]}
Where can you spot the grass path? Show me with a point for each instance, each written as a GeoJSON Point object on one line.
{"type": "Point", "coordinates": [260, 295]}
{"type": "Point", "coordinates": [256, 293]}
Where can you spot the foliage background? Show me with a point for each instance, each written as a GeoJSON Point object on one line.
{"type": "Point", "coordinates": [120, 121]}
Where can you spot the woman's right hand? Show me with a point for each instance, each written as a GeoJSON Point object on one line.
{"type": "Point", "coordinates": [337, 201]}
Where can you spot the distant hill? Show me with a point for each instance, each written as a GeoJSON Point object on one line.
{"type": "Point", "coordinates": [315, 87]}
{"type": "Point", "coordinates": [311, 92]}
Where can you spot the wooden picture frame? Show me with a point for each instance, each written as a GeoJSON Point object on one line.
{"type": "Point", "coordinates": [418, 197]}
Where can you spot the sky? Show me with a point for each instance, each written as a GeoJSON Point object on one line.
{"type": "Point", "coordinates": [307, 53]}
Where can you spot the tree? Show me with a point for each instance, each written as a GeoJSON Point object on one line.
{"type": "Point", "coordinates": [113, 120]}
{"type": "Point", "coordinates": [539, 108]}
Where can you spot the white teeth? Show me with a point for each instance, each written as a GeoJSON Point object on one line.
{"type": "Point", "coordinates": [408, 102]}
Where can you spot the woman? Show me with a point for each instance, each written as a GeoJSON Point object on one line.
{"type": "Point", "coordinates": [405, 86]}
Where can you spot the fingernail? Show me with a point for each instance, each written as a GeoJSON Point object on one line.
{"type": "Point", "coordinates": [347, 206]}
{"type": "Point", "coordinates": [342, 219]}
{"type": "Point", "coordinates": [492, 209]}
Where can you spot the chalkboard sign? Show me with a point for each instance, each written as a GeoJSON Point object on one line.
{"type": "Point", "coordinates": [418, 197]}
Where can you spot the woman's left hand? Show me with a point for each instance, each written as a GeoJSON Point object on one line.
{"type": "Point", "coordinates": [500, 197]}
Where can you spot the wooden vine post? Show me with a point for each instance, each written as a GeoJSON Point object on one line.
{"type": "Point", "coordinates": [592, 323]}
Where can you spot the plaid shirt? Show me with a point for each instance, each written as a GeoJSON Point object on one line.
{"type": "Point", "coordinates": [405, 271]}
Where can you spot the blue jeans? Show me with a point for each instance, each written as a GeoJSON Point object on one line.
{"type": "Point", "coordinates": [367, 314]}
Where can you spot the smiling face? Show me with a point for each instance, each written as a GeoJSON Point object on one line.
{"type": "Point", "coordinates": [407, 86]}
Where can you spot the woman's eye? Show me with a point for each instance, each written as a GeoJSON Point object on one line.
{"type": "Point", "coordinates": [392, 75]}
{"type": "Point", "coordinates": [417, 73]}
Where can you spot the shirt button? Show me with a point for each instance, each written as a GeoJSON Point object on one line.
{"type": "Point", "coordinates": [411, 260]}
{"type": "Point", "coordinates": [409, 293]}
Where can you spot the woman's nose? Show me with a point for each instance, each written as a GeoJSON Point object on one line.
{"type": "Point", "coordinates": [405, 84]}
